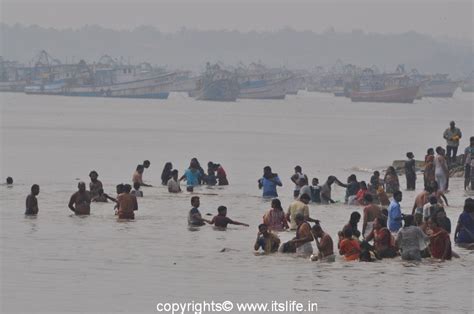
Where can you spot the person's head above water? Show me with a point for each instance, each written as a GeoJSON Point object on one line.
{"type": "Point", "coordinates": [317, 230]}
{"type": "Point", "coordinates": [93, 175]}
{"type": "Point", "coordinates": [168, 166]}
{"type": "Point", "coordinates": [469, 205]}
{"type": "Point", "coordinates": [439, 150]}
{"type": "Point", "coordinates": [35, 189]}
{"type": "Point", "coordinates": [127, 188]}
{"type": "Point", "coordinates": [377, 173]}
{"type": "Point", "coordinates": [452, 124]}
{"type": "Point", "coordinates": [299, 218]}
{"type": "Point", "coordinates": [146, 164]}
{"type": "Point", "coordinates": [263, 228]}
{"type": "Point", "coordinates": [276, 204]}
{"type": "Point", "coordinates": [195, 201]}
{"type": "Point", "coordinates": [355, 218]}
{"type": "Point", "coordinates": [347, 232]}
{"type": "Point", "coordinates": [81, 186]}
{"type": "Point", "coordinates": [305, 198]}
{"type": "Point", "coordinates": [433, 200]}
{"type": "Point", "coordinates": [363, 185]}
{"type": "Point", "coordinates": [119, 188]}
{"type": "Point", "coordinates": [391, 170]}
{"type": "Point", "coordinates": [136, 185]}
{"type": "Point", "coordinates": [397, 196]}
{"type": "Point", "coordinates": [298, 169]}
{"type": "Point", "coordinates": [331, 180]}
{"type": "Point", "coordinates": [352, 178]}
{"type": "Point", "coordinates": [315, 181]}
{"type": "Point", "coordinates": [140, 168]}
{"type": "Point", "coordinates": [430, 151]}
{"type": "Point", "coordinates": [471, 140]}
{"type": "Point", "coordinates": [222, 210]}
{"type": "Point", "coordinates": [409, 220]}
{"type": "Point", "coordinates": [9, 180]}
{"type": "Point", "coordinates": [368, 198]}
{"type": "Point", "coordinates": [410, 155]}
{"type": "Point", "coordinates": [174, 174]}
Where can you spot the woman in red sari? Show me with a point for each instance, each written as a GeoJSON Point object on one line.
{"type": "Point", "coordinates": [440, 244]}
{"type": "Point", "coordinates": [383, 240]}
{"type": "Point", "coordinates": [275, 218]}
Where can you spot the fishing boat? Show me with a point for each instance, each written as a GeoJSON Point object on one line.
{"type": "Point", "coordinates": [13, 76]}
{"type": "Point", "coordinates": [217, 84]}
{"type": "Point", "coordinates": [263, 89]}
{"type": "Point", "coordinates": [439, 86]}
{"type": "Point", "coordinates": [388, 88]}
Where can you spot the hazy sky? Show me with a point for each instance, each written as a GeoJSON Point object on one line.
{"type": "Point", "coordinates": [434, 17]}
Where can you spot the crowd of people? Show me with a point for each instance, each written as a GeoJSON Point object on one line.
{"type": "Point", "coordinates": [385, 232]}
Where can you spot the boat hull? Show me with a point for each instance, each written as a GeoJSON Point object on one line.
{"type": "Point", "coordinates": [396, 95]}
{"type": "Point", "coordinates": [263, 90]}
{"type": "Point", "coordinates": [220, 90]}
{"type": "Point", "coordinates": [13, 86]}
{"type": "Point", "coordinates": [439, 89]}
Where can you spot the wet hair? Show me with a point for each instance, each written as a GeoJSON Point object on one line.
{"type": "Point", "coordinates": [221, 209]}
{"type": "Point", "coordinates": [397, 193]}
{"type": "Point", "coordinates": [352, 177]}
{"type": "Point", "coordinates": [410, 155]}
{"type": "Point", "coordinates": [315, 179]}
{"type": "Point", "coordinates": [174, 172]}
{"type": "Point", "coordinates": [93, 172]}
{"type": "Point", "coordinates": [298, 169]}
{"type": "Point", "coordinates": [140, 167]}
{"type": "Point", "coordinates": [317, 228]}
{"type": "Point", "coordinates": [193, 199]}
{"type": "Point", "coordinates": [469, 205]}
{"type": "Point", "coordinates": [430, 151]}
{"type": "Point", "coordinates": [368, 198]}
{"type": "Point", "coordinates": [347, 232]}
{"type": "Point", "coordinates": [260, 226]}
{"type": "Point", "coordinates": [433, 200]}
{"type": "Point", "coordinates": [146, 162]}
{"type": "Point", "coordinates": [9, 180]}
{"type": "Point", "coordinates": [305, 197]}
{"type": "Point", "coordinates": [409, 220]}
{"type": "Point", "coordinates": [299, 216]}
{"type": "Point", "coordinates": [267, 169]}
{"type": "Point", "coordinates": [363, 184]}
{"type": "Point", "coordinates": [136, 185]}
{"type": "Point", "coordinates": [34, 186]}
{"type": "Point", "coordinates": [276, 204]}
{"type": "Point", "coordinates": [439, 149]}
{"type": "Point", "coordinates": [471, 139]}
{"type": "Point", "coordinates": [119, 188]}
{"type": "Point", "coordinates": [382, 221]}
{"type": "Point", "coordinates": [391, 169]}
{"type": "Point", "coordinates": [376, 173]}
{"type": "Point", "coordinates": [355, 218]}
{"type": "Point", "coordinates": [127, 187]}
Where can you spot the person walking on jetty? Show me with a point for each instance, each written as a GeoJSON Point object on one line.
{"type": "Point", "coordinates": [410, 172]}
{"type": "Point", "coordinates": [269, 182]}
{"type": "Point", "coordinates": [32, 202]}
{"type": "Point", "coordinates": [80, 202]}
{"type": "Point", "coordinates": [452, 135]}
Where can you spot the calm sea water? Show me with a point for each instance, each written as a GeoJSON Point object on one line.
{"type": "Point", "coordinates": [61, 263]}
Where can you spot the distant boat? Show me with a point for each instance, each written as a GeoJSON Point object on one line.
{"type": "Point", "coordinates": [392, 95]}
{"type": "Point", "coordinates": [217, 84]}
{"type": "Point", "coordinates": [12, 86]}
{"type": "Point", "coordinates": [263, 89]}
{"type": "Point", "coordinates": [439, 86]}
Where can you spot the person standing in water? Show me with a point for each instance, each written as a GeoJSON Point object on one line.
{"type": "Point", "coordinates": [32, 202]}
{"type": "Point", "coordinates": [95, 186]}
{"type": "Point", "coordinates": [275, 218]}
{"type": "Point", "coordinates": [441, 169]}
{"type": "Point", "coordinates": [325, 246]}
{"type": "Point", "coordinates": [295, 178]}
{"type": "Point", "coordinates": [315, 191]}
{"type": "Point", "coordinates": [166, 173]}
{"type": "Point", "coordinates": [127, 203]}
{"type": "Point", "coordinates": [391, 180]}
{"type": "Point", "coordinates": [410, 172]}
{"type": "Point", "coordinates": [221, 175]}
{"type": "Point", "coordinates": [371, 212]}
{"type": "Point", "coordinates": [173, 182]}
{"type": "Point", "coordinates": [468, 162]}
{"type": "Point", "coordinates": [80, 202]}
{"type": "Point", "coordinates": [138, 176]}
{"type": "Point", "coordinates": [194, 217]}
{"type": "Point", "coordinates": [299, 206]}
{"type": "Point", "coordinates": [192, 175]}
{"type": "Point", "coordinates": [304, 237]}
{"type": "Point", "coordinates": [221, 220]}
{"type": "Point", "coordinates": [269, 182]}
{"type": "Point", "coordinates": [326, 190]}
{"type": "Point", "coordinates": [267, 241]}
{"type": "Point", "coordinates": [411, 240]}
{"type": "Point", "coordinates": [9, 181]}
{"type": "Point", "coordinates": [395, 212]}
{"type": "Point", "coordinates": [452, 135]}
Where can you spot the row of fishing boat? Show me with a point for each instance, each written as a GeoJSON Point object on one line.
{"type": "Point", "coordinates": [370, 85]}
{"type": "Point", "coordinates": [112, 78]}
{"type": "Point", "coordinates": [109, 77]}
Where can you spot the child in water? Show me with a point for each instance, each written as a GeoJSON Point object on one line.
{"type": "Point", "coordinates": [315, 191]}
{"type": "Point", "coordinates": [221, 220]}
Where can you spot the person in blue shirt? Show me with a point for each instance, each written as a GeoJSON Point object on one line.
{"type": "Point", "coordinates": [192, 176]}
{"type": "Point", "coordinates": [269, 182]}
{"type": "Point", "coordinates": [395, 212]}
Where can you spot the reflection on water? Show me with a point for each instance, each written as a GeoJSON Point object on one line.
{"type": "Point", "coordinates": [65, 263]}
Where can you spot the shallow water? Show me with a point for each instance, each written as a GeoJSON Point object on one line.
{"type": "Point", "coordinates": [62, 263]}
